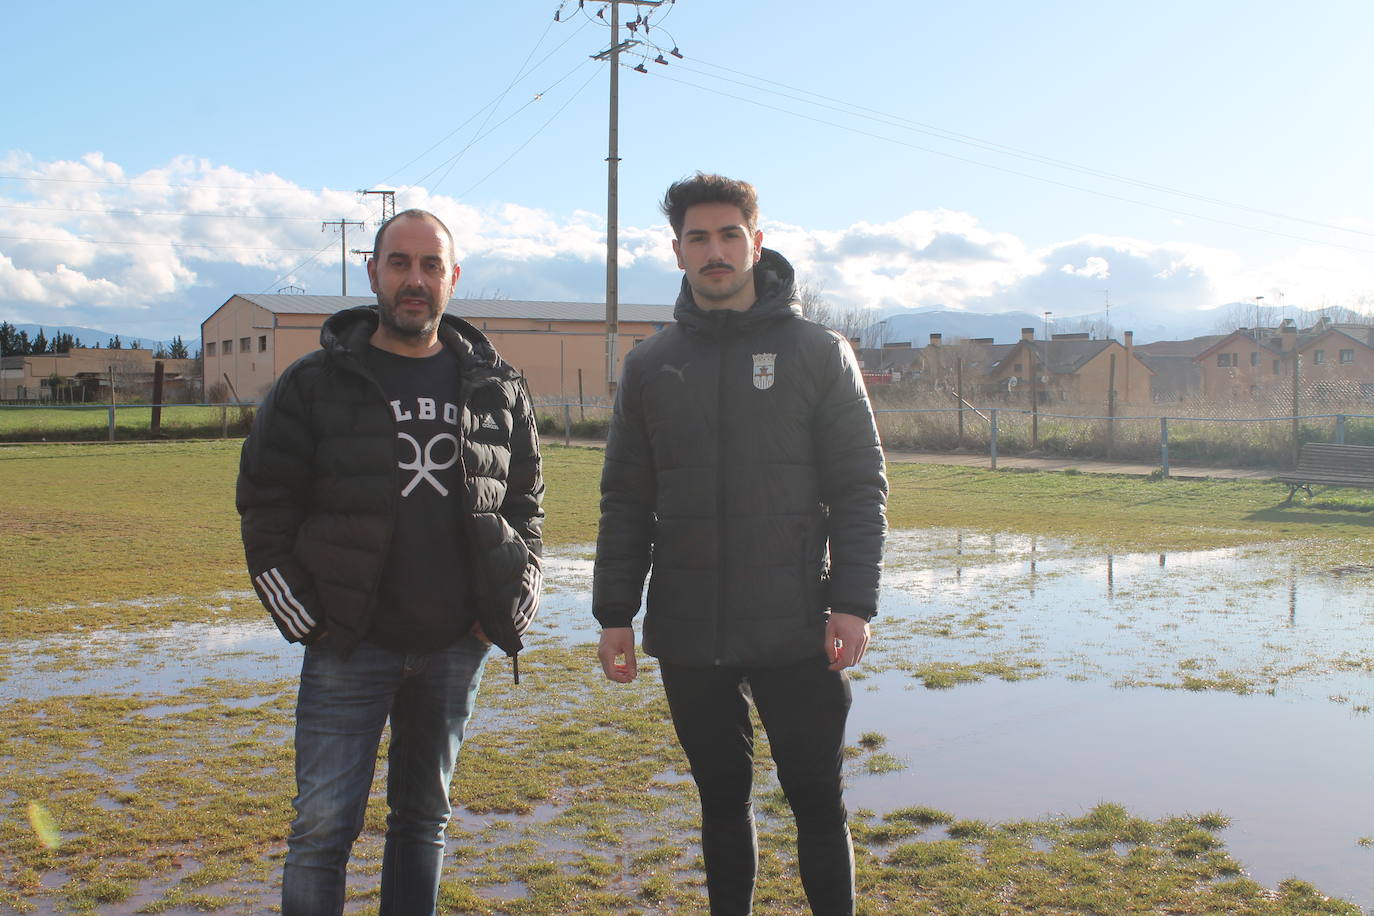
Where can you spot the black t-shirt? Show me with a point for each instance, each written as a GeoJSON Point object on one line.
{"type": "Point", "coordinates": [422, 601]}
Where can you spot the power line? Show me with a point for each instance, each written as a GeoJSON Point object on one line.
{"type": "Point", "coordinates": [26, 238]}
{"type": "Point", "coordinates": [1034, 177]}
{"type": "Point", "coordinates": [304, 219]}
{"type": "Point", "coordinates": [530, 139]}
{"type": "Point", "coordinates": [843, 107]}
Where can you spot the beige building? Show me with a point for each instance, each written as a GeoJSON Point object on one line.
{"type": "Point", "coordinates": [1076, 369]}
{"type": "Point", "coordinates": [560, 346]}
{"type": "Point", "coordinates": [1336, 362]}
{"type": "Point", "coordinates": [84, 374]}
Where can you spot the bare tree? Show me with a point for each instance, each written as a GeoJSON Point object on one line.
{"type": "Point", "coordinates": [850, 322]}
{"type": "Point", "coordinates": [814, 304]}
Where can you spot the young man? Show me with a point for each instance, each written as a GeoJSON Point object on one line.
{"type": "Point", "coordinates": [390, 494]}
{"type": "Point", "coordinates": [743, 468]}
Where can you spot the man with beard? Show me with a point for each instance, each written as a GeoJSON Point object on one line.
{"type": "Point", "coordinates": [390, 497]}
{"type": "Point", "coordinates": [744, 475]}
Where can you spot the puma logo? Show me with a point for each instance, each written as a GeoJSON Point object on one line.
{"type": "Point", "coordinates": [668, 367]}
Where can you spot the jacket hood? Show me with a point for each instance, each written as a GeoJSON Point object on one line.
{"type": "Point", "coordinates": [347, 334]}
{"type": "Point", "coordinates": [775, 289]}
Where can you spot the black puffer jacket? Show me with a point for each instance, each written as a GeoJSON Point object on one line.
{"type": "Point", "coordinates": [744, 465]}
{"type": "Point", "coordinates": [318, 490]}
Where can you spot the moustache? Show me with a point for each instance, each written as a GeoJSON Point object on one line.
{"type": "Point", "coordinates": [415, 293]}
{"type": "Point", "coordinates": [718, 266]}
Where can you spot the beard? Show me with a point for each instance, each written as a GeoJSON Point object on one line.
{"type": "Point", "coordinates": [730, 286]}
{"type": "Point", "coordinates": [408, 325]}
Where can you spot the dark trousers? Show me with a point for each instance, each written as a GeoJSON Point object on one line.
{"type": "Point", "coordinates": [803, 707]}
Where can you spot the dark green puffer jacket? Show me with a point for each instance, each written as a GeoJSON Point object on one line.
{"type": "Point", "coordinates": [743, 465]}
{"type": "Point", "coordinates": [318, 490]}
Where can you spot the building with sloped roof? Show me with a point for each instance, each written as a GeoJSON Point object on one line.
{"type": "Point", "coordinates": [1177, 373]}
{"type": "Point", "coordinates": [1334, 362]}
{"type": "Point", "coordinates": [560, 346]}
{"type": "Point", "coordinates": [1072, 368]}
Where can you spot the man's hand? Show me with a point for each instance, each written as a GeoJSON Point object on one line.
{"type": "Point", "coordinates": [846, 640]}
{"type": "Point", "coordinates": [617, 654]}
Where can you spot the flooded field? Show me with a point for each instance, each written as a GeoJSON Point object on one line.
{"type": "Point", "coordinates": [1012, 678]}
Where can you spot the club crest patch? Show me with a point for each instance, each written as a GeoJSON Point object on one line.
{"type": "Point", "coordinates": [765, 370]}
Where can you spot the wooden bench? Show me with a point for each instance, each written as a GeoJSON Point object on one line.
{"type": "Point", "coordinates": [1331, 466]}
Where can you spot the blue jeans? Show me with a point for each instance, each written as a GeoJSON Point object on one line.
{"type": "Point", "coordinates": [340, 711]}
{"type": "Point", "coordinates": [803, 707]}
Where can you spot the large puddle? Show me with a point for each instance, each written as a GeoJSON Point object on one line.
{"type": "Point", "coordinates": [1230, 680]}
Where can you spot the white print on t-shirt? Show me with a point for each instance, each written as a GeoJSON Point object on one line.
{"type": "Point", "coordinates": [425, 461]}
{"type": "Point", "coordinates": [425, 409]}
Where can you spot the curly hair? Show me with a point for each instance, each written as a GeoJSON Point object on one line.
{"type": "Point", "coordinates": [702, 188]}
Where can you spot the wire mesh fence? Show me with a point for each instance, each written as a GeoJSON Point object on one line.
{"type": "Point", "coordinates": [1222, 438]}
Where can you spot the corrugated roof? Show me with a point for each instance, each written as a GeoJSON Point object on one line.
{"type": "Point", "coordinates": [298, 304]}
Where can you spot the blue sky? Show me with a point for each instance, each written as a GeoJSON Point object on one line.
{"type": "Point", "coordinates": [1173, 156]}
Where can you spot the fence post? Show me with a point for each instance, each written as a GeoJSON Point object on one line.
{"type": "Point", "coordinates": [992, 438]}
{"type": "Point", "coordinates": [111, 411]}
{"type": "Point", "coordinates": [567, 424]}
{"type": "Point", "coordinates": [1340, 429]}
{"type": "Point", "coordinates": [224, 422]}
{"type": "Point", "coordinates": [1164, 445]}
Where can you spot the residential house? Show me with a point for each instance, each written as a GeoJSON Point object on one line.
{"type": "Point", "coordinates": [1074, 369]}
{"type": "Point", "coordinates": [1334, 362]}
{"type": "Point", "coordinates": [1177, 373]}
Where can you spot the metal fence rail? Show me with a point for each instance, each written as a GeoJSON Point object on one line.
{"type": "Point", "coordinates": [1282, 444]}
{"type": "Point", "coordinates": [995, 429]}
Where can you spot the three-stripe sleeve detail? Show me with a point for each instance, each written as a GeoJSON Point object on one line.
{"type": "Point", "coordinates": [282, 603]}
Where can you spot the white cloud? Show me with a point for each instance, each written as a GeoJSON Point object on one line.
{"type": "Point", "coordinates": [1096, 267]}
{"type": "Point", "coordinates": [153, 253]}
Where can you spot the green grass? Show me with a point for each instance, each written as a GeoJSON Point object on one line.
{"type": "Point", "coordinates": [91, 423]}
{"type": "Point", "coordinates": [571, 791]}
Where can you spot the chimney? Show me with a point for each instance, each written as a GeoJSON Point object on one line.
{"type": "Point", "coordinates": [981, 340]}
{"type": "Point", "coordinates": [1028, 333]}
{"type": "Point", "coordinates": [935, 338]}
{"type": "Point", "coordinates": [1288, 336]}
{"type": "Point", "coordinates": [856, 343]}
{"type": "Point", "coordinates": [1129, 338]}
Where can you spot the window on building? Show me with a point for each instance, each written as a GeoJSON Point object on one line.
{"type": "Point", "coordinates": [1254, 359]}
{"type": "Point", "coordinates": [1016, 368]}
{"type": "Point", "coordinates": [1319, 357]}
{"type": "Point", "coordinates": [1347, 356]}
{"type": "Point", "coordinates": [210, 348]}
{"type": "Point", "coordinates": [262, 343]}
{"type": "Point", "coordinates": [1276, 367]}
{"type": "Point", "coordinates": [245, 345]}
{"type": "Point", "coordinates": [1226, 360]}
{"type": "Point", "coordinates": [226, 347]}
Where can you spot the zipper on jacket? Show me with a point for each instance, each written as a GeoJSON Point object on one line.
{"type": "Point", "coordinates": [363, 372]}
{"type": "Point", "coordinates": [723, 552]}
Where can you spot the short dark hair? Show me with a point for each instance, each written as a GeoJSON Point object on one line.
{"type": "Point", "coordinates": [702, 188]}
{"type": "Point", "coordinates": [412, 214]}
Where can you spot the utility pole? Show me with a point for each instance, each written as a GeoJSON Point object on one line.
{"type": "Point", "coordinates": [343, 225]}
{"type": "Point", "coordinates": [612, 55]}
{"type": "Point", "coordinates": [388, 202]}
